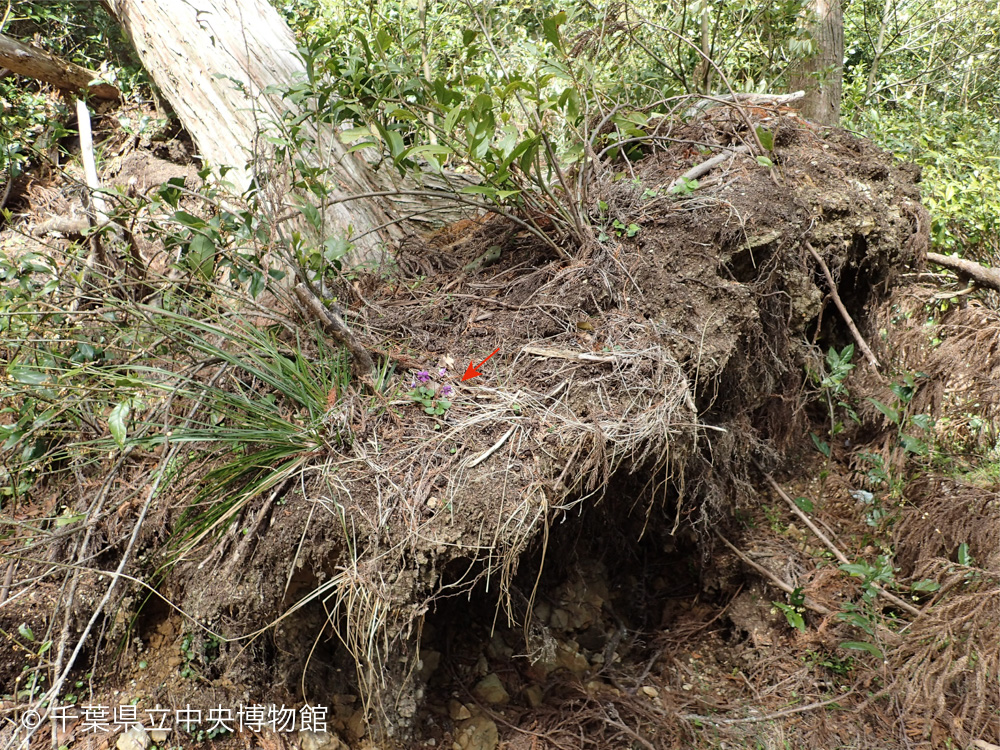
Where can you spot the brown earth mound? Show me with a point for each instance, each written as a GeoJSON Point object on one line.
{"type": "Point", "coordinates": [634, 388]}
{"type": "Point", "coordinates": [674, 351]}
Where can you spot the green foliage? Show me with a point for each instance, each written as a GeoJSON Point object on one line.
{"type": "Point", "coordinates": [79, 31]}
{"type": "Point", "coordinates": [957, 151]}
{"type": "Point", "coordinates": [794, 610]}
{"type": "Point", "coordinates": [276, 413]}
{"type": "Point", "coordinates": [526, 96]}
{"type": "Point", "coordinates": [900, 416]}
{"type": "Point", "coordinates": [831, 382]}
{"type": "Point", "coordinates": [930, 96]}
{"type": "Point", "coordinates": [430, 395]}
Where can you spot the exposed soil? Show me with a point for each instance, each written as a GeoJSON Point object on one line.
{"type": "Point", "coordinates": [545, 564]}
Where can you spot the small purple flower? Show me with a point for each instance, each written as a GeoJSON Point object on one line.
{"type": "Point", "coordinates": [424, 377]}
{"type": "Point", "coordinates": [413, 384]}
{"type": "Point", "coordinates": [447, 391]}
{"type": "Point", "coordinates": [442, 372]}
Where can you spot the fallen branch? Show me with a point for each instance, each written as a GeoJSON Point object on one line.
{"type": "Point", "coordinates": [753, 100]}
{"type": "Point", "coordinates": [891, 598]}
{"type": "Point", "coordinates": [982, 275]}
{"type": "Point", "coordinates": [862, 344]}
{"type": "Point", "coordinates": [706, 166]}
{"type": "Point", "coordinates": [336, 327]}
{"type": "Point", "coordinates": [541, 351]}
{"type": "Point", "coordinates": [769, 717]}
{"type": "Point", "coordinates": [42, 66]}
{"type": "Point", "coordinates": [98, 206]}
{"type": "Point", "coordinates": [787, 588]}
{"type": "Point", "coordinates": [64, 225]}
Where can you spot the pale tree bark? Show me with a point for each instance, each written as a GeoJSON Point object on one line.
{"type": "Point", "coordinates": [213, 60]}
{"type": "Point", "coordinates": [38, 64]}
{"type": "Point", "coordinates": [821, 74]}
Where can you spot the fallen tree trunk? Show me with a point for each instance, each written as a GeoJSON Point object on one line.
{"type": "Point", "coordinates": [982, 275]}
{"type": "Point", "coordinates": [42, 66]}
{"type": "Point", "coordinates": [223, 66]}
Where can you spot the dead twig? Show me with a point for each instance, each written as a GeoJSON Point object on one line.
{"type": "Point", "coordinates": [769, 717]}
{"type": "Point", "coordinates": [787, 588]}
{"type": "Point", "coordinates": [541, 351]}
{"type": "Point", "coordinates": [336, 327]}
{"type": "Point", "coordinates": [706, 166]}
{"type": "Point", "coordinates": [491, 450]}
{"type": "Point", "coordinates": [97, 213]}
{"type": "Point", "coordinates": [982, 275]}
{"type": "Point", "coordinates": [891, 598]}
{"type": "Point", "coordinates": [862, 344]}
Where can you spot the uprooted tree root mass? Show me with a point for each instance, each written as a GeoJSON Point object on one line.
{"type": "Point", "coordinates": [636, 391]}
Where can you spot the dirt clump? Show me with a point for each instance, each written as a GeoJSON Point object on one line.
{"type": "Point", "coordinates": [560, 509]}
{"type": "Point", "coordinates": [673, 353]}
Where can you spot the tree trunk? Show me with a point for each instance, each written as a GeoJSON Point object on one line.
{"type": "Point", "coordinates": [214, 61]}
{"type": "Point", "coordinates": [40, 65]}
{"type": "Point", "coordinates": [821, 74]}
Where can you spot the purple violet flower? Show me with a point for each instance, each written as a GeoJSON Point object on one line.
{"type": "Point", "coordinates": [424, 377]}
{"type": "Point", "coordinates": [442, 372]}
{"type": "Point", "coordinates": [447, 391]}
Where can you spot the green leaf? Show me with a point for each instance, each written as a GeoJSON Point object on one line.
{"type": "Point", "coordinates": [569, 100]}
{"type": "Point", "coordinates": [25, 631]}
{"type": "Point", "coordinates": [914, 445]}
{"type": "Point", "coordinates": [361, 146]}
{"type": "Point", "coordinates": [67, 520]}
{"type": "Point", "coordinates": [395, 141]}
{"type": "Point", "coordinates": [890, 413]}
{"type": "Point", "coordinates": [44, 647]}
{"type": "Point", "coordinates": [452, 117]}
{"type": "Point", "coordinates": [550, 28]}
{"type": "Point", "coordinates": [201, 256]}
{"type": "Point", "coordinates": [821, 445]}
{"type": "Point", "coordinates": [861, 570]}
{"type": "Point", "coordinates": [516, 85]}
{"type": "Point", "coordinates": [528, 157]}
{"type": "Point", "coordinates": [431, 148]}
{"type": "Point", "coordinates": [469, 36]}
{"type": "Point", "coordinates": [349, 135]}
{"type": "Point", "coordinates": [766, 139]}
{"type": "Point", "coordinates": [964, 556]}
{"type": "Point", "coordinates": [925, 585]}
{"type": "Point", "coordinates": [438, 153]}
{"type": "Point", "coordinates": [188, 220]}
{"type": "Point", "coordinates": [478, 190]}
{"type": "Point", "coordinates": [764, 161]}
{"type": "Point", "coordinates": [804, 504]}
{"type": "Point", "coordinates": [27, 375]}
{"type": "Point", "coordinates": [117, 422]}
{"type": "Point", "coordinates": [170, 192]}
{"type": "Point", "coordinates": [862, 646]}
{"type": "Point", "coordinates": [312, 215]}
{"type": "Point", "coordinates": [792, 615]}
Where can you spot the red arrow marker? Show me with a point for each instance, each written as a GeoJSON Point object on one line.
{"type": "Point", "coordinates": [473, 370]}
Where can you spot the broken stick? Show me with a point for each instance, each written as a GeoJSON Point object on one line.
{"type": "Point", "coordinates": [862, 344]}
{"type": "Point", "coordinates": [982, 275]}
{"type": "Point", "coordinates": [336, 327]}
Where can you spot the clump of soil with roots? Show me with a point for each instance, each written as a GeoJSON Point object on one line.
{"type": "Point", "coordinates": [572, 550]}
